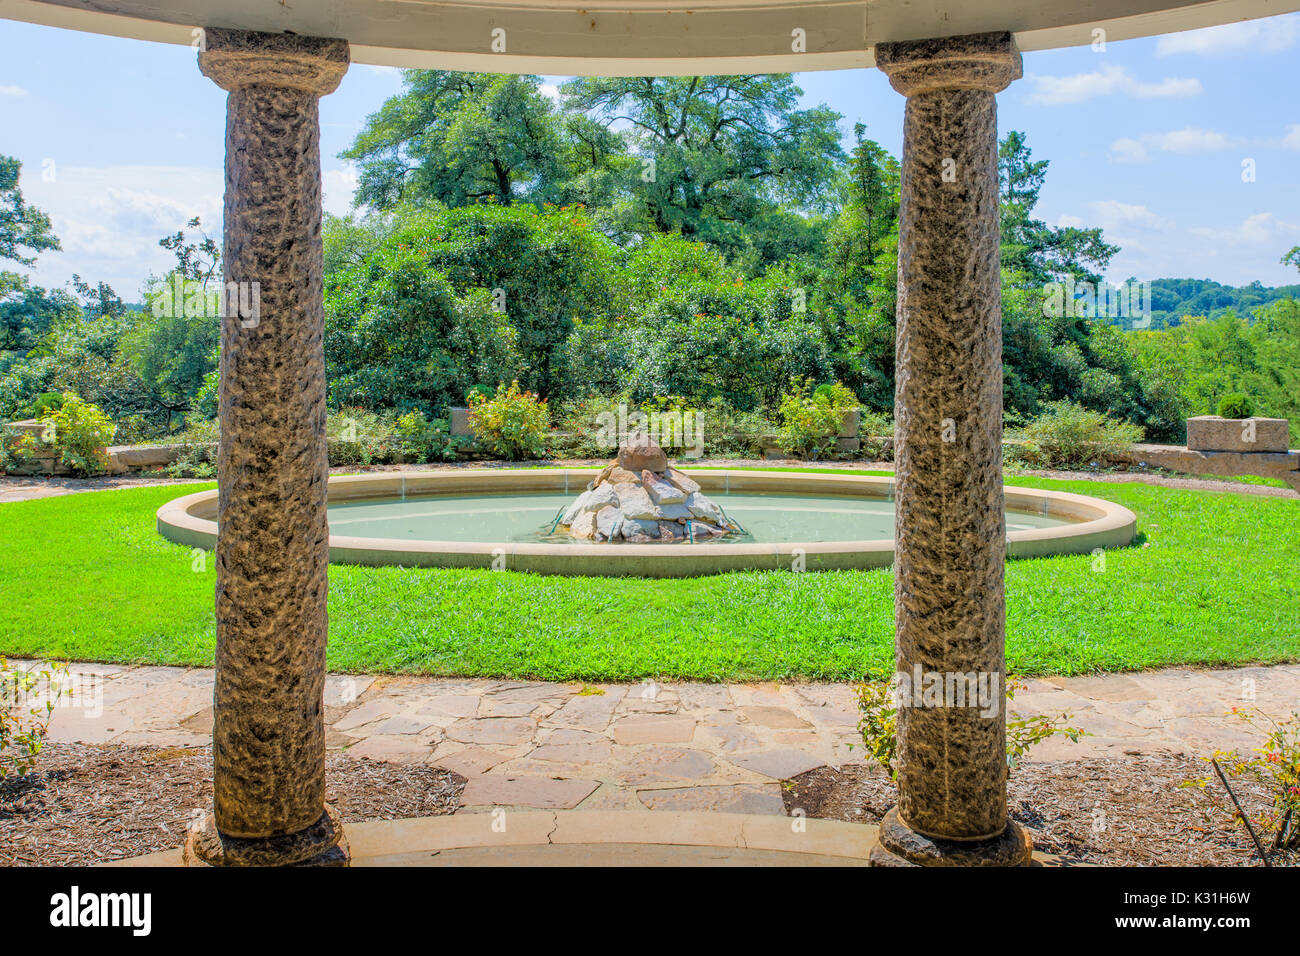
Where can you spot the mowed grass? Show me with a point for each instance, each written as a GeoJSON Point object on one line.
{"type": "Point", "coordinates": [87, 577]}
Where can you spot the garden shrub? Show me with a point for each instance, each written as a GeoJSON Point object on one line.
{"type": "Point", "coordinates": [732, 433]}
{"type": "Point", "coordinates": [1235, 405]}
{"type": "Point", "coordinates": [356, 436]}
{"type": "Point", "coordinates": [46, 403]}
{"type": "Point", "coordinates": [878, 706]}
{"type": "Point", "coordinates": [811, 421]}
{"type": "Point", "coordinates": [487, 391]}
{"type": "Point", "coordinates": [25, 714]}
{"type": "Point", "coordinates": [198, 453]}
{"type": "Point", "coordinates": [398, 336]}
{"type": "Point", "coordinates": [1067, 435]}
{"type": "Point", "coordinates": [422, 440]}
{"type": "Point", "coordinates": [578, 431]}
{"type": "Point", "coordinates": [876, 432]}
{"type": "Point", "coordinates": [738, 341]}
{"type": "Point", "coordinates": [727, 431]}
{"type": "Point", "coordinates": [82, 433]}
{"type": "Point", "coordinates": [16, 449]}
{"type": "Point", "coordinates": [511, 425]}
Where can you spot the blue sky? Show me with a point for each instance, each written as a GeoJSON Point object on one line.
{"type": "Point", "coordinates": [121, 142]}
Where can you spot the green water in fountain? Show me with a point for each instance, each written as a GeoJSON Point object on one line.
{"type": "Point", "coordinates": [767, 519]}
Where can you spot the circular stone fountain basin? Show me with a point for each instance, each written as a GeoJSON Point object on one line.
{"type": "Point", "coordinates": [498, 518]}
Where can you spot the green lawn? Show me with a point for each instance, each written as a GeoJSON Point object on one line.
{"type": "Point", "coordinates": [86, 577]}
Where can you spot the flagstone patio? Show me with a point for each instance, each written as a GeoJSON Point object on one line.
{"type": "Point", "coordinates": [675, 746]}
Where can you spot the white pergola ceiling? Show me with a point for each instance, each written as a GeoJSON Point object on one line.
{"type": "Point", "coordinates": [640, 37]}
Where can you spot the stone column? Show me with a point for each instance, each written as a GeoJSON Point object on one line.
{"type": "Point", "coordinates": [272, 555]}
{"type": "Point", "coordinates": [950, 531]}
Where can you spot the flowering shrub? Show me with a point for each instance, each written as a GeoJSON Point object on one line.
{"type": "Point", "coordinates": [77, 431]}
{"type": "Point", "coordinates": [1273, 768]}
{"type": "Point", "coordinates": [511, 425]}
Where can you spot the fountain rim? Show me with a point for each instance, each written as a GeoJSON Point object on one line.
{"type": "Point", "coordinates": [1095, 523]}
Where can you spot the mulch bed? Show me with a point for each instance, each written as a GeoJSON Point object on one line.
{"type": "Point", "coordinates": [1149, 818]}
{"type": "Point", "coordinates": [90, 804]}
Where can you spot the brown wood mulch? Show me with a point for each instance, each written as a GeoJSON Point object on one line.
{"type": "Point", "coordinates": [1147, 817]}
{"type": "Point", "coordinates": [88, 804]}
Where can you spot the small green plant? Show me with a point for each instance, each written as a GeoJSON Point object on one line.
{"type": "Point", "coordinates": [876, 432]}
{"type": "Point", "coordinates": [1067, 435]}
{"type": "Point", "coordinates": [360, 437]}
{"type": "Point", "coordinates": [46, 403]}
{"type": "Point", "coordinates": [197, 457]}
{"type": "Point", "coordinates": [810, 421]}
{"type": "Point", "coordinates": [1274, 768]}
{"type": "Point", "coordinates": [422, 440]}
{"type": "Point", "coordinates": [878, 724]}
{"type": "Point", "coordinates": [17, 450]}
{"type": "Point", "coordinates": [486, 392]}
{"type": "Point", "coordinates": [82, 434]}
{"type": "Point", "coordinates": [25, 714]}
{"type": "Point", "coordinates": [1235, 405]}
{"type": "Point", "coordinates": [511, 425]}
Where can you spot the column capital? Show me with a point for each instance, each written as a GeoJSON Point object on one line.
{"type": "Point", "coordinates": [978, 61]}
{"type": "Point", "coordinates": [235, 59]}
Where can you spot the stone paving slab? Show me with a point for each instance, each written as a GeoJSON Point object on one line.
{"type": "Point", "coordinates": [651, 746]}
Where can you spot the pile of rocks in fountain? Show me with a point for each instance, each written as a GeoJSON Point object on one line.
{"type": "Point", "coordinates": [639, 497]}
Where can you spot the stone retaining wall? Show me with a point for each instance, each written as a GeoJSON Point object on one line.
{"type": "Point", "coordinates": [1284, 465]}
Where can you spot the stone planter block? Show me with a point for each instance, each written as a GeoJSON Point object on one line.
{"type": "Point", "coordinates": [460, 423]}
{"type": "Point", "coordinates": [1212, 433]}
{"type": "Point", "coordinates": [849, 423]}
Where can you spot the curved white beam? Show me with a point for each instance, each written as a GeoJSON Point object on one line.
{"type": "Point", "coordinates": [640, 37]}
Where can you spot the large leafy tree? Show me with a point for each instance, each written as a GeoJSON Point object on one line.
{"type": "Point", "coordinates": [1030, 247]}
{"type": "Point", "coordinates": [716, 157]}
{"type": "Point", "coordinates": [175, 354]}
{"type": "Point", "coordinates": [459, 138]}
{"type": "Point", "coordinates": [861, 272]}
{"type": "Point", "coordinates": [26, 311]}
{"type": "Point", "coordinates": [24, 230]}
{"type": "Point", "coordinates": [540, 270]}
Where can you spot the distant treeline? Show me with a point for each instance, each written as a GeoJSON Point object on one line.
{"type": "Point", "coordinates": [1172, 300]}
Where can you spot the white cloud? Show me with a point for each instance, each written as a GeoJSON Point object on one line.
{"type": "Point", "coordinates": [1153, 245]}
{"type": "Point", "coordinates": [1271, 35]}
{"type": "Point", "coordinates": [1128, 151]}
{"type": "Point", "coordinates": [1261, 230]}
{"type": "Point", "coordinates": [550, 90]}
{"type": "Point", "coordinates": [12, 91]}
{"type": "Point", "coordinates": [1113, 214]}
{"type": "Point", "coordinates": [1292, 138]}
{"type": "Point", "coordinates": [1109, 80]}
{"type": "Point", "coordinates": [109, 219]}
{"type": "Point", "coordinates": [339, 186]}
{"type": "Point", "coordinates": [1187, 141]}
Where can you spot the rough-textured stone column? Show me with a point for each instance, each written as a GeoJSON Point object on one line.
{"type": "Point", "coordinates": [273, 545]}
{"type": "Point", "coordinates": [950, 532]}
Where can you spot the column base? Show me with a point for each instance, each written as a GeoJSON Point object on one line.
{"type": "Point", "coordinates": [900, 845]}
{"type": "Point", "coordinates": [321, 844]}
